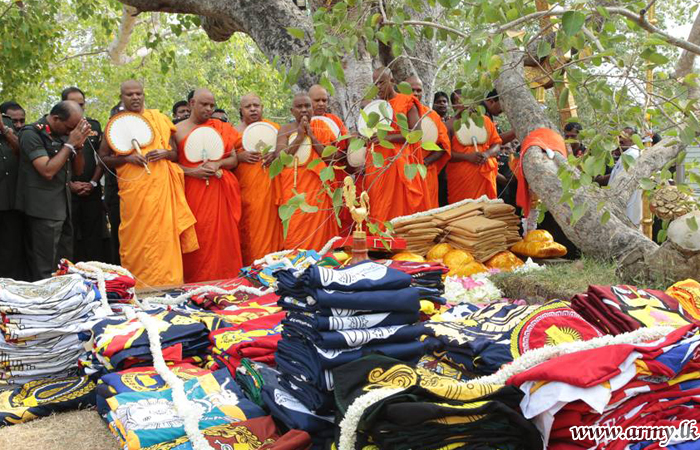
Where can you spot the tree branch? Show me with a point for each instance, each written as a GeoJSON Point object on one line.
{"type": "Point", "coordinates": [117, 48]}
{"type": "Point", "coordinates": [687, 59]}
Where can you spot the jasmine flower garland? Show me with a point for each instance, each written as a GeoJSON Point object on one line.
{"type": "Point", "coordinates": [475, 289]}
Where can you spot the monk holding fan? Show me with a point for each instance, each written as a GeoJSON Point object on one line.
{"type": "Point", "coordinates": [206, 154]}
{"type": "Point", "coordinates": [260, 226]}
{"type": "Point", "coordinates": [157, 225]}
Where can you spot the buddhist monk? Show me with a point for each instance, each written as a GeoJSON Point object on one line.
{"type": "Point", "coordinates": [472, 169]}
{"type": "Point", "coordinates": [260, 227]}
{"type": "Point", "coordinates": [157, 225]}
{"type": "Point", "coordinates": [390, 190]}
{"type": "Point", "coordinates": [214, 196]}
{"type": "Point", "coordinates": [434, 161]}
{"type": "Point", "coordinates": [319, 100]}
{"type": "Point", "coordinates": [307, 230]}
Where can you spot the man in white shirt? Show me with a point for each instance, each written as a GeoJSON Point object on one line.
{"type": "Point", "coordinates": [627, 147]}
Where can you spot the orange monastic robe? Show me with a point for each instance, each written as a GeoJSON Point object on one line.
{"type": "Point", "coordinates": [346, 221]}
{"type": "Point", "coordinates": [217, 208]}
{"type": "Point", "coordinates": [260, 226]}
{"type": "Point", "coordinates": [443, 141]}
{"type": "Point", "coordinates": [390, 191]}
{"type": "Point", "coordinates": [467, 180]}
{"type": "Point", "coordinates": [157, 225]}
{"type": "Point", "coordinates": [310, 231]}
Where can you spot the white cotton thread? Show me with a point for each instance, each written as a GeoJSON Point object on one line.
{"type": "Point", "coordinates": [174, 301]}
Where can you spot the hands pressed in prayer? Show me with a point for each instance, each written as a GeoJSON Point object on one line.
{"type": "Point", "coordinates": [77, 137]}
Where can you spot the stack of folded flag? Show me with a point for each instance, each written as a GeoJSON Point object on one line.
{"type": "Point", "coordinates": [418, 232]}
{"type": "Point", "coordinates": [389, 404]}
{"type": "Point", "coordinates": [485, 340]}
{"type": "Point", "coordinates": [505, 213]}
{"type": "Point", "coordinates": [119, 344]}
{"type": "Point", "coordinates": [40, 326]}
{"type": "Point", "coordinates": [254, 339]}
{"type": "Point", "coordinates": [622, 308]}
{"type": "Point", "coordinates": [261, 384]}
{"type": "Point", "coordinates": [653, 384]}
{"type": "Point", "coordinates": [141, 418]}
{"type": "Point", "coordinates": [337, 316]}
{"type": "Point", "coordinates": [425, 275]}
{"type": "Point", "coordinates": [118, 283]}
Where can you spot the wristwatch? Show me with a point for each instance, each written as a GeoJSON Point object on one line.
{"type": "Point", "coordinates": [93, 183]}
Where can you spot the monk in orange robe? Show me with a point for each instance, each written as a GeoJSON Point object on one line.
{"type": "Point", "coordinates": [434, 161]}
{"type": "Point", "coordinates": [391, 192]}
{"type": "Point", "coordinates": [307, 230]}
{"type": "Point", "coordinates": [157, 225]}
{"type": "Point", "coordinates": [260, 226]}
{"type": "Point", "coordinates": [213, 195]}
{"type": "Point", "coordinates": [472, 170]}
{"type": "Point", "coordinates": [319, 100]}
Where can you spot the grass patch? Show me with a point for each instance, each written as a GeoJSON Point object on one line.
{"type": "Point", "coordinates": [557, 281]}
{"type": "Point", "coordinates": [74, 430]}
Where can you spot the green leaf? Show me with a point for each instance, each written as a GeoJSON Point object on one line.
{"type": "Point", "coordinates": [314, 163]}
{"type": "Point", "coordinates": [286, 158]}
{"type": "Point", "coordinates": [309, 209]}
{"type": "Point", "coordinates": [371, 93]}
{"type": "Point", "coordinates": [605, 218]}
{"type": "Point", "coordinates": [410, 170]}
{"type": "Point", "coordinates": [373, 48]}
{"type": "Point", "coordinates": [422, 170]}
{"type": "Point", "coordinates": [577, 212]}
{"type": "Point", "coordinates": [572, 22]}
{"type": "Point", "coordinates": [647, 184]}
{"type": "Point", "coordinates": [377, 159]}
{"type": "Point", "coordinates": [355, 145]}
{"type": "Point", "coordinates": [276, 168]}
{"type": "Point", "coordinates": [563, 98]}
{"type": "Point", "coordinates": [430, 146]}
{"type": "Point", "coordinates": [296, 32]}
{"type": "Point", "coordinates": [653, 57]}
{"type": "Point", "coordinates": [637, 141]}
{"type": "Point", "coordinates": [405, 88]}
{"type": "Point", "coordinates": [692, 223]}
{"type": "Point", "coordinates": [328, 151]}
{"type": "Point", "coordinates": [327, 174]}
{"type": "Point", "coordinates": [414, 136]}
{"type": "Point", "coordinates": [543, 49]}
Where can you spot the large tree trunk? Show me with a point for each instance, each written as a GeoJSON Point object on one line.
{"type": "Point", "coordinates": [638, 256]}
{"type": "Point", "coordinates": [266, 22]}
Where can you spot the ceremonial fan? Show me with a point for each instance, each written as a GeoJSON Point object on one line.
{"type": "Point", "coordinates": [332, 125]}
{"type": "Point", "coordinates": [386, 114]}
{"type": "Point", "coordinates": [205, 144]}
{"type": "Point", "coordinates": [430, 129]}
{"type": "Point", "coordinates": [128, 131]}
{"type": "Point", "coordinates": [259, 136]}
{"type": "Point", "coordinates": [303, 154]}
{"type": "Point", "coordinates": [470, 133]}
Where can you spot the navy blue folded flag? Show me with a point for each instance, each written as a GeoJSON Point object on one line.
{"type": "Point", "coordinates": [353, 338]}
{"type": "Point", "coordinates": [352, 321]}
{"type": "Point", "coordinates": [365, 276]}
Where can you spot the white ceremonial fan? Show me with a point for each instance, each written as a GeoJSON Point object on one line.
{"type": "Point", "coordinates": [258, 136]}
{"type": "Point", "coordinates": [129, 131]}
{"type": "Point", "coordinates": [332, 125]}
{"type": "Point", "coordinates": [205, 144]}
{"type": "Point", "coordinates": [471, 134]}
{"type": "Point", "coordinates": [303, 153]}
{"type": "Point", "coordinates": [376, 106]}
{"type": "Point", "coordinates": [357, 158]}
{"type": "Point", "coordinates": [430, 129]}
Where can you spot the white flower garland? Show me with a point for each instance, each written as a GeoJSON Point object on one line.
{"type": "Point", "coordinates": [529, 266]}
{"type": "Point", "coordinates": [348, 426]}
{"type": "Point", "coordinates": [430, 212]}
{"type": "Point", "coordinates": [190, 412]}
{"type": "Point", "coordinates": [175, 301]}
{"type": "Point", "coordinates": [475, 289]}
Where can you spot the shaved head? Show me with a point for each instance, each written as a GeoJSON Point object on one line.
{"type": "Point", "coordinates": [384, 80]}
{"type": "Point", "coordinates": [132, 96]}
{"type": "Point", "coordinates": [202, 105]}
{"type": "Point", "coordinates": [251, 108]}
{"type": "Point", "coordinates": [319, 99]}
{"type": "Point", "coordinates": [416, 86]}
{"type": "Point", "coordinates": [301, 106]}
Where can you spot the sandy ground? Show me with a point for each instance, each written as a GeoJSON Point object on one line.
{"type": "Point", "coordinates": [75, 430]}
